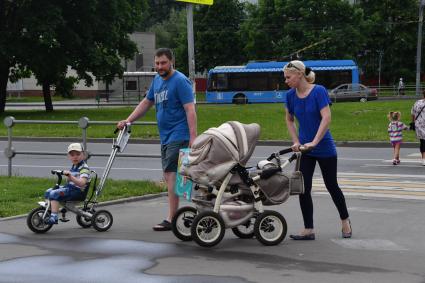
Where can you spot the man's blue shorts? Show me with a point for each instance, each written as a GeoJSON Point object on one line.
{"type": "Point", "coordinates": [64, 194]}
{"type": "Point", "coordinates": [170, 155]}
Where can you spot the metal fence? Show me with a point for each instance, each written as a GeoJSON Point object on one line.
{"type": "Point", "coordinates": [392, 90]}
{"type": "Point", "coordinates": [82, 123]}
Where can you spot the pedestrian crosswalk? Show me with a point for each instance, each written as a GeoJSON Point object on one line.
{"type": "Point", "coordinates": [377, 185]}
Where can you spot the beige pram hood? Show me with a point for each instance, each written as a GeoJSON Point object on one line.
{"type": "Point", "coordinates": [216, 151]}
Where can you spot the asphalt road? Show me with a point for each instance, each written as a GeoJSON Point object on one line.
{"type": "Point", "coordinates": [351, 160]}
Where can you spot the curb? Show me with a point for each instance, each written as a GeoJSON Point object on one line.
{"type": "Point", "coordinates": [106, 203]}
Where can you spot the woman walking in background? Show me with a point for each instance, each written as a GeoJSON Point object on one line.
{"type": "Point", "coordinates": [309, 104]}
{"type": "Point", "coordinates": [418, 119]}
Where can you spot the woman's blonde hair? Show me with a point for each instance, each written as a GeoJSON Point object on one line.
{"type": "Point", "coordinates": [394, 115]}
{"type": "Point", "coordinates": [298, 66]}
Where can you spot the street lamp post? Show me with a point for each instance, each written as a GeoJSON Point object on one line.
{"type": "Point", "coordinates": [381, 53]}
{"type": "Point", "coordinates": [190, 37]}
{"type": "Point", "coordinates": [419, 47]}
{"type": "Point", "coordinates": [190, 42]}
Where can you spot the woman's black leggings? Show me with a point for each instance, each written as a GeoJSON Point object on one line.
{"type": "Point", "coordinates": [328, 165]}
{"type": "Point", "coordinates": [422, 146]}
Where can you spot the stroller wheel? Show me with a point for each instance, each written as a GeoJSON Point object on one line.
{"type": "Point", "coordinates": [208, 229]}
{"type": "Point", "coordinates": [36, 222]}
{"type": "Point", "coordinates": [182, 221]}
{"type": "Point", "coordinates": [102, 220]}
{"type": "Point", "coordinates": [270, 228]}
{"type": "Point", "coordinates": [246, 230]}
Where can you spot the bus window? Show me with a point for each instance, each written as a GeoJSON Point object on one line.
{"type": "Point", "coordinates": [237, 81]}
{"type": "Point", "coordinates": [332, 79]}
{"type": "Point", "coordinates": [221, 81]}
{"type": "Point", "coordinates": [277, 81]}
{"type": "Point", "coordinates": [257, 81]}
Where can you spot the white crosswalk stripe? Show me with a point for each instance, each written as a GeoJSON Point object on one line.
{"type": "Point", "coordinates": [377, 185]}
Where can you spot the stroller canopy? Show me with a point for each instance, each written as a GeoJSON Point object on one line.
{"type": "Point", "coordinates": [217, 150]}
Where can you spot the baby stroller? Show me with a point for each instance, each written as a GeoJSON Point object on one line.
{"type": "Point", "coordinates": [87, 215]}
{"type": "Point", "coordinates": [230, 195]}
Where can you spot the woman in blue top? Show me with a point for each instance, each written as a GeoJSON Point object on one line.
{"type": "Point", "coordinates": [309, 104]}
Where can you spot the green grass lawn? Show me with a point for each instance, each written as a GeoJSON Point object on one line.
{"type": "Point", "coordinates": [18, 195]}
{"type": "Point", "coordinates": [351, 121]}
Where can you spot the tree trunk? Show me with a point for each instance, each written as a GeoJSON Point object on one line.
{"type": "Point", "coordinates": [4, 77]}
{"type": "Point", "coordinates": [47, 98]}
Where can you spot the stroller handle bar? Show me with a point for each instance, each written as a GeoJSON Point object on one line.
{"type": "Point", "coordinates": [301, 148]}
{"type": "Point", "coordinates": [127, 126]}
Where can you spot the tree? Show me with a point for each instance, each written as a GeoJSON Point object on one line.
{"type": "Point", "coordinates": [217, 34]}
{"type": "Point", "coordinates": [91, 37]}
{"type": "Point", "coordinates": [169, 30]}
{"type": "Point", "coordinates": [10, 29]}
{"type": "Point", "coordinates": [159, 11]}
{"type": "Point", "coordinates": [263, 29]}
{"type": "Point", "coordinates": [390, 29]}
{"type": "Point", "coordinates": [325, 29]}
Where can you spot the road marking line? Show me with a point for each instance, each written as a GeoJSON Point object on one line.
{"type": "Point", "coordinates": [368, 195]}
{"type": "Point", "coordinates": [381, 175]}
{"type": "Point", "coordinates": [405, 160]}
{"type": "Point", "coordinates": [375, 190]}
{"type": "Point", "coordinates": [378, 183]}
{"type": "Point", "coordinates": [390, 165]}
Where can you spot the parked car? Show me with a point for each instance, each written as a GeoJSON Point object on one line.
{"type": "Point", "coordinates": [353, 92]}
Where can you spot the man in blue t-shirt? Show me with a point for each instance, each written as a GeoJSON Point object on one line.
{"type": "Point", "coordinates": [171, 93]}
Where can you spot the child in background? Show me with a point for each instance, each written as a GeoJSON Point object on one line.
{"type": "Point", "coordinates": [395, 130]}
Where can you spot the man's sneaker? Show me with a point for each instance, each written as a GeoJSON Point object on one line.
{"type": "Point", "coordinates": [52, 220]}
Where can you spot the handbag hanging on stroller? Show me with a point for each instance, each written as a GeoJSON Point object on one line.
{"type": "Point", "coordinates": [231, 195]}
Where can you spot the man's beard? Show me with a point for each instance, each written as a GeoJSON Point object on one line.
{"type": "Point", "coordinates": [165, 73]}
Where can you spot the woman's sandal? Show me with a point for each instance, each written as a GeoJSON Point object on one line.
{"type": "Point", "coordinates": [347, 235]}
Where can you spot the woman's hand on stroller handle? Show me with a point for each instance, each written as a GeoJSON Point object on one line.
{"type": "Point", "coordinates": [299, 148]}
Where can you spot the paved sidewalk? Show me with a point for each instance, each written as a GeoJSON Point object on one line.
{"type": "Point", "coordinates": [387, 246]}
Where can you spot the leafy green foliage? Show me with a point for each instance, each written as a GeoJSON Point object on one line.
{"type": "Point", "coordinates": [217, 34]}
{"type": "Point", "coordinates": [391, 28]}
{"type": "Point", "coordinates": [172, 33]}
{"type": "Point", "coordinates": [64, 87]}
{"type": "Point", "coordinates": [303, 29]}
